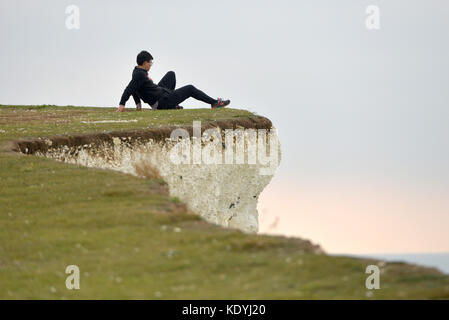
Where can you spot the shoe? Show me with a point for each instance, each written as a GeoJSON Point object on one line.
{"type": "Point", "coordinates": [179, 107]}
{"type": "Point", "coordinates": [221, 103]}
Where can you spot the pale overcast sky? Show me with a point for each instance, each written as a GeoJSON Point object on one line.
{"type": "Point", "coordinates": [363, 115]}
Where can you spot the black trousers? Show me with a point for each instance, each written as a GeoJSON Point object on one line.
{"type": "Point", "coordinates": [176, 96]}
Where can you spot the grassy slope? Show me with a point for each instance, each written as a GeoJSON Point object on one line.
{"type": "Point", "coordinates": [132, 240]}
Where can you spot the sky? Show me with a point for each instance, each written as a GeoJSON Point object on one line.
{"type": "Point", "coordinates": [362, 114]}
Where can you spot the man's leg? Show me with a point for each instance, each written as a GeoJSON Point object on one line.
{"type": "Point", "coordinates": [168, 81]}
{"type": "Point", "coordinates": [179, 95]}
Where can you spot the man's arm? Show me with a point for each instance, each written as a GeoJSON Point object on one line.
{"type": "Point", "coordinates": [136, 98]}
{"type": "Point", "coordinates": [131, 89]}
{"type": "Point", "coordinates": [137, 101]}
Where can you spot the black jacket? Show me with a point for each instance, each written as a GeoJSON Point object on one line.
{"type": "Point", "coordinates": [142, 87]}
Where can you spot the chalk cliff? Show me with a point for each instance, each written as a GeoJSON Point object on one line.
{"type": "Point", "coordinates": [218, 169]}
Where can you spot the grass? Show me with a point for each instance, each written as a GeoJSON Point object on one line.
{"type": "Point", "coordinates": [44, 121]}
{"type": "Point", "coordinates": [131, 240]}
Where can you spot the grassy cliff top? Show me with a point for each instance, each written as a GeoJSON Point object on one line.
{"type": "Point", "coordinates": [130, 239]}
{"type": "Point", "coordinates": [43, 121]}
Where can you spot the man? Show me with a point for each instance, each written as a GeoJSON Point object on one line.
{"type": "Point", "coordinates": [163, 95]}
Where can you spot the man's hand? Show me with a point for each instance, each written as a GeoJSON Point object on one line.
{"type": "Point", "coordinates": [138, 107]}
{"type": "Point", "coordinates": [120, 109]}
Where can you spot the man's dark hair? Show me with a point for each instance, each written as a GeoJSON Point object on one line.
{"type": "Point", "coordinates": [143, 56]}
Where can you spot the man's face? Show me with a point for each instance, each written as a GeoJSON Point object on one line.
{"type": "Point", "coordinates": [147, 65]}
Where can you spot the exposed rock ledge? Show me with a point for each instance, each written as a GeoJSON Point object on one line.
{"type": "Point", "coordinates": [225, 194]}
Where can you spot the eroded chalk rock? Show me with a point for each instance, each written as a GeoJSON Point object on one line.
{"type": "Point", "coordinates": [205, 171]}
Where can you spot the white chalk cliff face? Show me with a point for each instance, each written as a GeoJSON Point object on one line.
{"type": "Point", "coordinates": [224, 193]}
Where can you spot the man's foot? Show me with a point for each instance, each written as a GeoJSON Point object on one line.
{"type": "Point", "coordinates": [120, 109]}
{"type": "Point", "coordinates": [179, 107]}
{"type": "Point", "coordinates": [221, 103]}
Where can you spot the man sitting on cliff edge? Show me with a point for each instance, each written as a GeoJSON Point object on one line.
{"type": "Point", "coordinates": [163, 95]}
